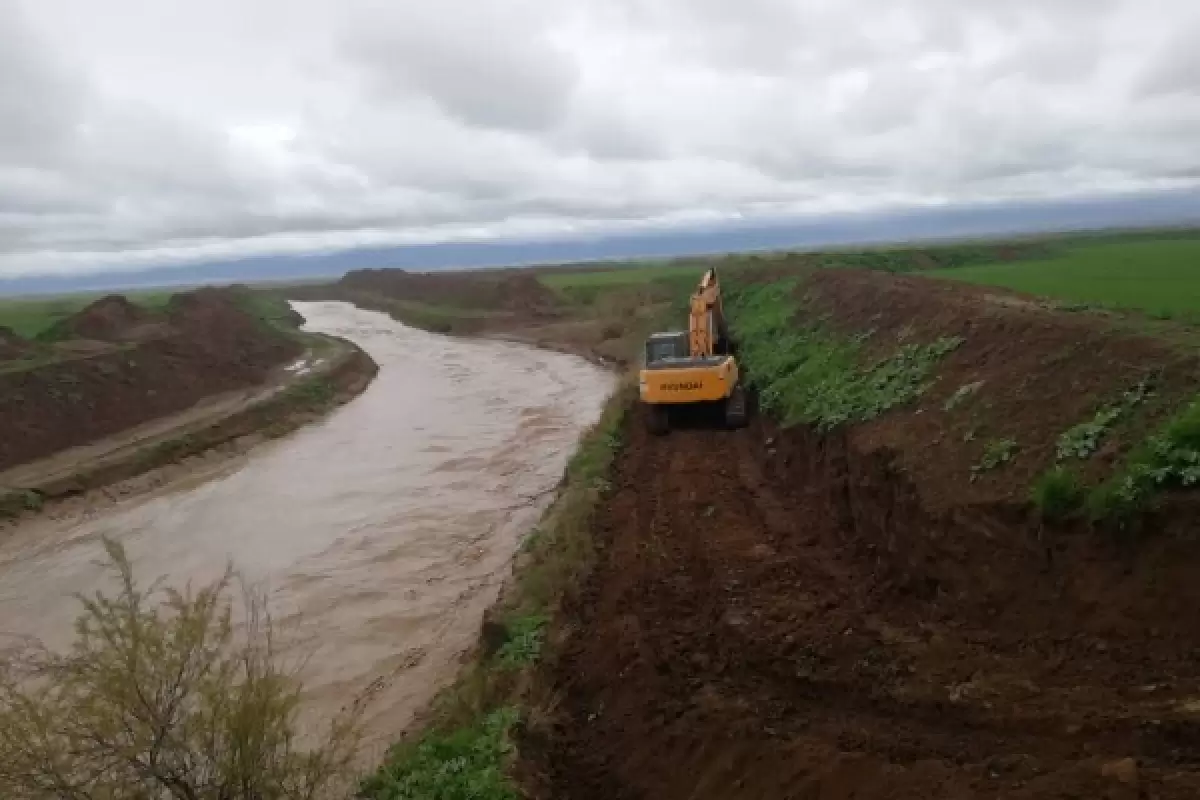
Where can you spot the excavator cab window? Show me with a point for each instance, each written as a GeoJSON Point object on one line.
{"type": "Point", "coordinates": [666, 346]}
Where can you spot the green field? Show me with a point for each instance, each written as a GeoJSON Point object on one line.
{"type": "Point", "coordinates": [1161, 278]}
{"type": "Point", "coordinates": [29, 316]}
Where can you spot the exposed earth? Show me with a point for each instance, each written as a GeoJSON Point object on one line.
{"type": "Point", "coordinates": [781, 614]}
{"type": "Point", "coordinates": [114, 366]}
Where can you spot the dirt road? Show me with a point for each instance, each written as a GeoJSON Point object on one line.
{"type": "Point", "coordinates": [774, 616]}
{"type": "Point", "coordinates": [383, 532]}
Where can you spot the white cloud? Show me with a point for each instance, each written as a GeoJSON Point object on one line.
{"type": "Point", "coordinates": [139, 132]}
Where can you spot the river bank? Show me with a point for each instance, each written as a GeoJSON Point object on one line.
{"type": "Point", "coordinates": [184, 446]}
{"type": "Point", "coordinates": [120, 398]}
{"type": "Point", "coordinates": [382, 531]}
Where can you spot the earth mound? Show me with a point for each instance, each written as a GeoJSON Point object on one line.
{"type": "Point", "coordinates": [205, 344]}
{"type": "Point", "coordinates": [505, 292]}
{"type": "Point", "coordinates": [112, 318]}
{"type": "Point", "coordinates": [1024, 373]}
{"type": "Point", "coordinates": [13, 346]}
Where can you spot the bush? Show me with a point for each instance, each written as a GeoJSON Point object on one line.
{"type": "Point", "coordinates": [996, 454]}
{"type": "Point", "coordinates": [524, 643]}
{"type": "Point", "coordinates": [159, 700]}
{"type": "Point", "coordinates": [1058, 495]}
{"type": "Point", "coordinates": [1168, 459]}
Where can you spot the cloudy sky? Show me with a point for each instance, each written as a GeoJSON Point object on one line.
{"type": "Point", "coordinates": [144, 131]}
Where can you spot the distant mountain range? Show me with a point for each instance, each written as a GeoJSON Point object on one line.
{"type": "Point", "coordinates": [1146, 209]}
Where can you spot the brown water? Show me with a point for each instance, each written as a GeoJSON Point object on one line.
{"type": "Point", "coordinates": [384, 530]}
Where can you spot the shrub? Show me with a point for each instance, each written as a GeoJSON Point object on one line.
{"type": "Point", "coordinates": [1082, 440]}
{"type": "Point", "coordinates": [524, 643]}
{"type": "Point", "coordinates": [159, 700]}
{"type": "Point", "coordinates": [1168, 459]}
{"type": "Point", "coordinates": [1058, 494]}
{"type": "Point", "coordinates": [996, 453]}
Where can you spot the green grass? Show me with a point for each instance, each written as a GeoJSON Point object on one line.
{"type": "Point", "coordinates": [1160, 278]}
{"type": "Point", "coordinates": [1169, 458]}
{"type": "Point", "coordinates": [805, 373]}
{"type": "Point", "coordinates": [525, 637]}
{"type": "Point", "coordinates": [31, 316]}
{"type": "Point", "coordinates": [996, 454]}
{"type": "Point", "coordinates": [465, 764]}
{"type": "Point", "coordinates": [1058, 494]}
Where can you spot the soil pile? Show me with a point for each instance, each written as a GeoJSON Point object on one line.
{"type": "Point", "coordinates": [1024, 372]}
{"type": "Point", "coordinates": [112, 318]}
{"type": "Point", "coordinates": [776, 615]}
{"type": "Point", "coordinates": [212, 322]}
{"type": "Point", "coordinates": [503, 292]}
{"type": "Point", "coordinates": [13, 346]}
{"type": "Point", "coordinates": [208, 345]}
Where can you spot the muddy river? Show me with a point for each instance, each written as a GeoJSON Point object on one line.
{"type": "Point", "coordinates": [381, 532]}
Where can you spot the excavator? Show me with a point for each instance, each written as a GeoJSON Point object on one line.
{"type": "Point", "coordinates": [686, 369]}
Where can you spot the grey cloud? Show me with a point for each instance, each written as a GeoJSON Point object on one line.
{"type": "Point", "coordinates": [1175, 69]}
{"type": "Point", "coordinates": [335, 122]}
{"type": "Point", "coordinates": [481, 66]}
{"type": "Point", "coordinates": [41, 100]}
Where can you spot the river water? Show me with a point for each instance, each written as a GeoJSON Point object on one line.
{"type": "Point", "coordinates": [381, 533]}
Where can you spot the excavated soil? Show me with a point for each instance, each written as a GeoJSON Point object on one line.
{"type": "Point", "coordinates": [775, 615]}
{"type": "Point", "coordinates": [112, 318]}
{"type": "Point", "coordinates": [208, 346]}
{"type": "Point", "coordinates": [13, 346]}
{"type": "Point", "coordinates": [1036, 371]}
{"type": "Point", "coordinates": [779, 614]}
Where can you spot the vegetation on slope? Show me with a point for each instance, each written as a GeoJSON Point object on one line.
{"type": "Point", "coordinates": [805, 373]}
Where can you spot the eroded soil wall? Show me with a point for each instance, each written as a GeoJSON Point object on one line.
{"type": "Point", "coordinates": [776, 615]}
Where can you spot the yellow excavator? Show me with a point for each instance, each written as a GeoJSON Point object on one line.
{"type": "Point", "coordinates": [686, 369]}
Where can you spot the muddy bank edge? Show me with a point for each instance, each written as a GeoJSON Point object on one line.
{"type": "Point", "coordinates": [346, 375]}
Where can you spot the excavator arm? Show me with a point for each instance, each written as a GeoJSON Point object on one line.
{"type": "Point", "coordinates": [706, 325]}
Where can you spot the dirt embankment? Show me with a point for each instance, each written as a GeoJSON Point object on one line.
{"type": "Point", "coordinates": [507, 292]}
{"type": "Point", "coordinates": [1025, 372]}
{"type": "Point", "coordinates": [124, 366]}
{"type": "Point", "coordinates": [776, 613]}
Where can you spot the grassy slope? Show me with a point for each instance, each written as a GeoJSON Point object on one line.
{"type": "Point", "coordinates": [1161, 278]}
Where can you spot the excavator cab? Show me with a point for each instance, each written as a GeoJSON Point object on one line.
{"type": "Point", "coordinates": [663, 347]}
{"type": "Point", "coordinates": [694, 367]}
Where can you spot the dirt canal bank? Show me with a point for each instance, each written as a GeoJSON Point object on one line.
{"type": "Point", "coordinates": [384, 530]}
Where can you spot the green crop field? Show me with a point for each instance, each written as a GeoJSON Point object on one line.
{"type": "Point", "coordinates": [29, 316]}
{"type": "Point", "coordinates": [1161, 278]}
